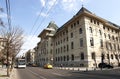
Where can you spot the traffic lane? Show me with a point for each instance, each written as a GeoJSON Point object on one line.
{"type": "Point", "coordinates": [25, 74]}
{"type": "Point", "coordinates": [101, 74]}
{"type": "Point", "coordinates": [64, 74]}
{"type": "Point", "coordinates": [49, 73]}
{"type": "Point", "coordinates": [104, 74]}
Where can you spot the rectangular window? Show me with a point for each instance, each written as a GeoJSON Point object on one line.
{"type": "Point", "coordinates": [71, 26]}
{"type": "Point", "coordinates": [107, 56]}
{"type": "Point", "coordinates": [71, 35]}
{"type": "Point", "coordinates": [82, 56]}
{"type": "Point", "coordinates": [72, 45]}
{"type": "Point", "coordinates": [78, 22]}
{"type": "Point", "coordinates": [93, 55]}
{"type": "Point", "coordinates": [74, 24]}
{"type": "Point", "coordinates": [64, 48]}
{"type": "Point", "coordinates": [91, 20]}
{"type": "Point", "coordinates": [67, 48]}
{"type": "Point", "coordinates": [81, 42]}
{"type": "Point", "coordinates": [61, 49]}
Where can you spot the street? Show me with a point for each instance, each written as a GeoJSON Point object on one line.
{"type": "Point", "coordinates": [40, 73]}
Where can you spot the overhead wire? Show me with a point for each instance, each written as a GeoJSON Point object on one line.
{"type": "Point", "coordinates": [44, 18]}
{"type": "Point", "coordinates": [37, 18]}
{"type": "Point", "coordinates": [8, 14]}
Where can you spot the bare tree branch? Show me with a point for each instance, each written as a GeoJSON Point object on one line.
{"type": "Point", "coordinates": [14, 39]}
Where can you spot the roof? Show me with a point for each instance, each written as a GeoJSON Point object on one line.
{"type": "Point", "coordinates": [83, 9]}
{"type": "Point", "coordinates": [52, 25]}
{"type": "Point", "coordinates": [86, 11]}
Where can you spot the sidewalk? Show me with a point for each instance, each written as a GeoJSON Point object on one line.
{"type": "Point", "coordinates": [3, 73]}
{"type": "Point", "coordinates": [83, 68]}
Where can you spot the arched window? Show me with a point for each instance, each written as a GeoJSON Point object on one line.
{"type": "Point", "coordinates": [116, 38]}
{"type": "Point", "coordinates": [91, 41]}
{"type": "Point", "coordinates": [101, 43]}
{"type": "Point", "coordinates": [109, 36]}
{"type": "Point", "coordinates": [104, 35]}
{"type": "Point", "coordinates": [111, 56]}
{"type": "Point", "coordinates": [90, 29]}
{"type": "Point", "coordinates": [80, 31]}
{"type": "Point", "coordinates": [116, 56]}
{"type": "Point", "coordinates": [113, 37]}
{"type": "Point", "coordinates": [100, 32]}
{"type": "Point", "coordinates": [107, 56]}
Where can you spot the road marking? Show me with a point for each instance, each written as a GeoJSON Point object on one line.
{"type": "Point", "coordinates": [57, 74]}
{"type": "Point", "coordinates": [37, 74]}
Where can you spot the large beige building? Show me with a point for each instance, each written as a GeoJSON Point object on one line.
{"type": "Point", "coordinates": [84, 41]}
{"type": "Point", "coordinates": [44, 53]}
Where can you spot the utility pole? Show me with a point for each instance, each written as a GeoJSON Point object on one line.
{"type": "Point", "coordinates": [7, 58]}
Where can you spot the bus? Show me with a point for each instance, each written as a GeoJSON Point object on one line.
{"type": "Point", "coordinates": [21, 63]}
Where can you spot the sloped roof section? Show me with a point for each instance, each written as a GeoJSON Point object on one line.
{"type": "Point", "coordinates": [83, 9]}
{"type": "Point", "coordinates": [113, 24]}
{"type": "Point", "coordinates": [52, 25]}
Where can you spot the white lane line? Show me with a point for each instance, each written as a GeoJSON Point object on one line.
{"type": "Point", "coordinates": [37, 74]}
{"type": "Point", "coordinates": [57, 74]}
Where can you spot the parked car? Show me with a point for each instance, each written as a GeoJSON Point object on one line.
{"type": "Point", "coordinates": [104, 65]}
{"type": "Point", "coordinates": [48, 66]}
{"type": "Point", "coordinates": [109, 66]}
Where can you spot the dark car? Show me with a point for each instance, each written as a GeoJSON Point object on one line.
{"type": "Point", "coordinates": [104, 65]}
{"type": "Point", "coordinates": [109, 66]}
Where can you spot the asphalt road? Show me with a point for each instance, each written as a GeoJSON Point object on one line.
{"type": "Point", "coordinates": [40, 73]}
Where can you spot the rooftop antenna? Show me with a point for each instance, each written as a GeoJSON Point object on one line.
{"type": "Point", "coordinates": [82, 5]}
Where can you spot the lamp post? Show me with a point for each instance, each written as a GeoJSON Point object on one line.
{"type": "Point", "coordinates": [102, 60]}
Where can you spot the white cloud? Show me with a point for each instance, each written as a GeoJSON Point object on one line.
{"type": "Point", "coordinates": [51, 3]}
{"type": "Point", "coordinates": [42, 2]}
{"type": "Point", "coordinates": [42, 14]}
{"type": "Point", "coordinates": [30, 43]}
{"type": "Point", "coordinates": [3, 15]}
{"type": "Point", "coordinates": [70, 5]}
{"type": "Point", "coordinates": [82, 0]}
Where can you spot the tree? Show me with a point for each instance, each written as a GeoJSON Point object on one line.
{"type": "Point", "coordinates": [13, 38]}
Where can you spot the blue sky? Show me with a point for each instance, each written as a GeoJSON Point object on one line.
{"type": "Point", "coordinates": [25, 12]}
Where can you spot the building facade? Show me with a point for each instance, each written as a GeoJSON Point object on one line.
{"type": "Point", "coordinates": [30, 56]}
{"type": "Point", "coordinates": [44, 53]}
{"type": "Point", "coordinates": [84, 41]}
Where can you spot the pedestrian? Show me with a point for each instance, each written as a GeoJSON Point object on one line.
{"type": "Point", "coordinates": [61, 65]}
